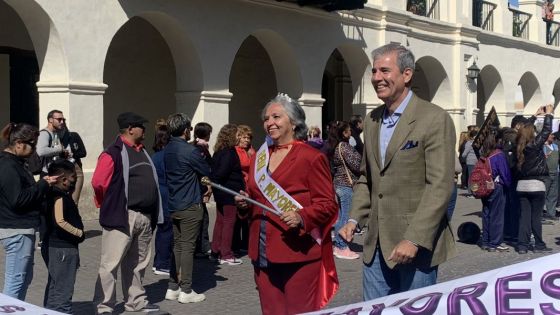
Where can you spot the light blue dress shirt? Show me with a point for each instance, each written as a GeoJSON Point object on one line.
{"type": "Point", "coordinates": [389, 124]}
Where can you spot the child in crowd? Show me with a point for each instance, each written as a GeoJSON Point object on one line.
{"type": "Point", "coordinates": [65, 231]}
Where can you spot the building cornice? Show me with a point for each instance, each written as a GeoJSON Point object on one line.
{"type": "Point", "coordinates": [382, 18]}
{"type": "Point", "coordinates": [487, 37]}
{"type": "Point", "coordinates": [72, 87]}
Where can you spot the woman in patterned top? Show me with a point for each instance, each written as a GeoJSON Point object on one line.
{"type": "Point", "coordinates": [345, 161]}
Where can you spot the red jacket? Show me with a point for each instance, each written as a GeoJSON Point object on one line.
{"type": "Point", "coordinates": [304, 174]}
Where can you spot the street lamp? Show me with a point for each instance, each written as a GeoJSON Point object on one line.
{"type": "Point", "coordinates": [473, 71]}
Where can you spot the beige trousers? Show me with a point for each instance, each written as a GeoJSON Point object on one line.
{"type": "Point", "coordinates": [131, 250]}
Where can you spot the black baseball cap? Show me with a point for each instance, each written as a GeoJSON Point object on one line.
{"type": "Point", "coordinates": [128, 119]}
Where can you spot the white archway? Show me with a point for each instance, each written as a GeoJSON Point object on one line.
{"type": "Point", "coordinates": [531, 91]}
{"type": "Point", "coordinates": [48, 50]}
{"type": "Point", "coordinates": [264, 65]}
{"type": "Point", "coordinates": [143, 78]}
{"type": "Point", "coordinates": [342, 78]}
{"type": "Point", "coordinates": [430, 81]}
{"type": "Point", "coordinates": [490, 92]}
{"type": "Point", "coordinates": [283, 58]}
{"type": "Point", "coordinates": [556, 92]}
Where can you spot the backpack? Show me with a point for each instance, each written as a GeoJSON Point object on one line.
{"type": "Point", "coordinates": [481, 183]}
{"type": "Point", "coordinates": [35, 163]}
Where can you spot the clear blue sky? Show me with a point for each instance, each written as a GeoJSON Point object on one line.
{"type": "Point", "coordinates": [513, 2]}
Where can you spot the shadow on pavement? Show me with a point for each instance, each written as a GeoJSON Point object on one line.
{"type": "Point", "coordinates": [476, 213]}
{"type": "Point", "coordinates": [93, 233]}
{"type": "Point", "coordinates": [83, 308]}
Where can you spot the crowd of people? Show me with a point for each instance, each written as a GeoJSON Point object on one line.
{"type": "Point", "coordinates": [300, 199]}
{"type": "Point", "coordinates": [524, 167]}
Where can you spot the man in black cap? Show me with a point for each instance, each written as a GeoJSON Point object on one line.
{"type": "Point", "coordinates": [127, 191]}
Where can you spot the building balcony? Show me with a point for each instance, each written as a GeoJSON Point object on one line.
{"type": "Point", "coordinates": [427, 8]}
{"type": "Point", "coordinates": [330, 5]}
{"type": "Point", "coordinates": [485, 16]}
{"type": "Point", "coordinates": [520, 27]}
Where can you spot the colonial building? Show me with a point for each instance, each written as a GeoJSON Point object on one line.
{"type": "Point", "coordinates": [221, 60]}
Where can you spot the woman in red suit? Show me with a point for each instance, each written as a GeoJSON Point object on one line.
{"type": "Point", "coordinates": [291, 251]}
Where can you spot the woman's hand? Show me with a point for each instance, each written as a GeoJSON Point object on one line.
{"type": "Point", "coordinates": [291, 218]}
{"type": "Point", "coordinates": [240, 202]}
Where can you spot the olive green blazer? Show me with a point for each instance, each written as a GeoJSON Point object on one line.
{"type": "Point", "coordinates": [407, 197]}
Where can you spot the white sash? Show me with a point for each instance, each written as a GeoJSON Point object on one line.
{"type": "Point", "coordinates": [273, 192]}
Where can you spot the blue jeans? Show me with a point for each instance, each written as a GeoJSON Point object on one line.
{"type": "Point", "coordinates": [379, 280]}
{"type": "Point", "coordinates": [452, 203]}
{"type": "Point", "coordinates": [19, 264]}
{"type": "Point", "coordinates": [470, 169]}
{"type": "Point", "coordinates": [344, 195]}
{"type": "Point", "coordinates": [164, 245]}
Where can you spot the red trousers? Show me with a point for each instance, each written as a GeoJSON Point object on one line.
{"type": "Point", "coordinates": [288, 288]}
{"type": "Point", "coordinates": [223, 230]}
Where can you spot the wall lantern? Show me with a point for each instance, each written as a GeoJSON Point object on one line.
{"type": "Point", "coordinates": [473, 71]}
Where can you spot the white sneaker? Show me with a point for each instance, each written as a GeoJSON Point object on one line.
{"type": "Point", "coordinates": [161, 272]}
{"type": "Point", "coordinates": [345, 253]}
{"type": "Point", "coordinates": [192, 297]}
{"type": "Point", "coordinates": [172, 295]}
{"type": "Point", "coordinates": [231, 261]}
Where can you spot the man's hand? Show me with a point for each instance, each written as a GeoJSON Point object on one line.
{"type": "Point", "coordinates": [404, 252]}
{"type": "Point", "coordinates": [207, 194]}
{"type": "Point", "coordinates": [347, 231]}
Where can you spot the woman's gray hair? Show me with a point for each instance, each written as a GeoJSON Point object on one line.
{"type": "Point", "coordinates": [178, 123]}
{"type": "Point", "coordinates": [295, 113]}
{"type": "Point", "coordinates": [405, 58]}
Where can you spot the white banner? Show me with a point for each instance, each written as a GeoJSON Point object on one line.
{"type": "Point", "coordinates": [9, 305]}
{"type": "Point", "coordinates": [531, 287]}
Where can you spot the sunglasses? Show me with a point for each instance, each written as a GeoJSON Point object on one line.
{"type": "Point", "coordinates": [60, 119]}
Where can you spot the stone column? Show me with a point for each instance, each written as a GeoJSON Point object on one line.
{"type": "Point", "coordinates": [458, 117]}
{"type": "Point", "coordinates": [313, 107]}
{"type": "Point", "coordinates": [474, 114]}
{"type": "Point", "coordinates": [212, 108]}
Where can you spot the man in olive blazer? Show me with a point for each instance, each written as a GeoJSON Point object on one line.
{"type": "Point", "coordinates": [406, 182]}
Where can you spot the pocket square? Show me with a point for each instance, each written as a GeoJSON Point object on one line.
{"type": "Point", "coordinates": [410, 145]}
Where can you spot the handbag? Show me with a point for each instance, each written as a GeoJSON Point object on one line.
{"type": "Point", "coordinates": [344, 164]}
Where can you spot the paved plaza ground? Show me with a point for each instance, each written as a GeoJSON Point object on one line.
{"type": "Point", "coordinates": [231, 289]}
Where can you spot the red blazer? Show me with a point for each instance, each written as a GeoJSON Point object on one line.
{"type": "Point", "coordinates": [305, 175]}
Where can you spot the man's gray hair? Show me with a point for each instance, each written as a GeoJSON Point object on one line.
{"type": "Point", "coordinates": [177, 124]}
{"type": "Point", "coordinates": [405, 58]}
{"type": "Point", "coordinates": [294, 111]}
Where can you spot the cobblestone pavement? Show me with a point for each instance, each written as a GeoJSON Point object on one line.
{"type": "Point", "coordinates": [231, 289]}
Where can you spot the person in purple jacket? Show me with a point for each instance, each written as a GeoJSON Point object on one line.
{"type": "Point", "coordinates": [493, 206]}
